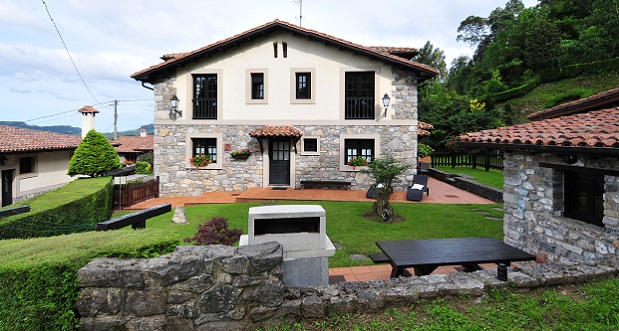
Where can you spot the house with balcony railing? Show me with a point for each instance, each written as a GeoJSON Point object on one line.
{"type": "Point", "coordinates": [304, 103]}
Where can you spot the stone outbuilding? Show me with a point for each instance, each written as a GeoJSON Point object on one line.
{"type": "Point", "coordinates": [561, 189]}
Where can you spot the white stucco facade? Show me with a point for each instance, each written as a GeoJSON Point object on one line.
{"type": "Point", "coordinates": [48, 171]}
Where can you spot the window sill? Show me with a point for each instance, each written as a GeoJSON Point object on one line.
{"type": "Point", "coordinates": [351, 168]}
{"type": "Point", "coordinates": [209, 167]}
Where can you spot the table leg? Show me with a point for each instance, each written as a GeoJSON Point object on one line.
{"type": "Point", "coordinates": [424, 270]}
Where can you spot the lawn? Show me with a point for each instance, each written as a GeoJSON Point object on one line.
{"type": "Point", "coordinates": [493, 177]}
{"type": "Point", "coordinates": [591, 306]}
{"type": "Point", "coordinates": [356, 234]}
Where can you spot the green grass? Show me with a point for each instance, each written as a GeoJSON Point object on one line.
{"type": "Point", "coordinates": [347, 226]}
{"type": "Point", "coordinates": [547, 93]}
{"type": "Point", "coordinates": [493, 177]}
{"type": "Point", "coordinates": [591, 306]}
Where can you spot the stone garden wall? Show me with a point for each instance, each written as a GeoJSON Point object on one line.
{"type": "Point", "coordinates": [534, 221]}
{"type": "Point", "coordinates": [232, 288]}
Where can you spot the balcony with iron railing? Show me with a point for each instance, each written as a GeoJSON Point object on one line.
{"type": "Point", "coordinates": [359, 108]}
{"type": "Point", "coordinates": [205, 108]}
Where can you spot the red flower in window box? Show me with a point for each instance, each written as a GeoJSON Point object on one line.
{"type": "Point", "coordinates": [200, 160]}
{"type": "Point", "coordinates": [358, 161]}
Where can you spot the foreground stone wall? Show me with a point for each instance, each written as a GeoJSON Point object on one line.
{"type": "Point", "coordinates": [534, 221]}
{"type": "Point", "coordinates": [226, 288]}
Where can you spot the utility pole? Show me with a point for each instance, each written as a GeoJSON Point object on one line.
{"type": "Point", "coordinates": [115, 119]}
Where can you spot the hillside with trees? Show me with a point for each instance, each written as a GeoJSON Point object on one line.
{"type": "Point", "coordinates": [525, 60]}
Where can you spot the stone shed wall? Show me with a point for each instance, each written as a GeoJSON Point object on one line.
{"type": "Point", "coordinates": [534, 220]}
{"type": "Point", "coordinates": [225, 288]}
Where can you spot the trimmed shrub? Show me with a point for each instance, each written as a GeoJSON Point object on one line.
{"type": "Point", "coordinates": [94, 156]}
{"type": "Point", "coordinates": [574, 94]}
{"type": "Point", "coordinates": [143, 168]}
{"type": "Point", "coordinates": [75, 207]}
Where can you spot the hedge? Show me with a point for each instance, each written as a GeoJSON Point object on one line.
{"type": "Point", "coordinates": [514, 92]}
{"type": "Point", "coordinates": [75, 207]}
{"type": "Point", "coordinates": [576, 70]}
{"type": "Point", "coordinates": [38, 276]}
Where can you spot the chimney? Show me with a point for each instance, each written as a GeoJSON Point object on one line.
{"type": "Point", "coordinates": [143, 132]}
{"type": "Point", "coordinates": [88, 119]}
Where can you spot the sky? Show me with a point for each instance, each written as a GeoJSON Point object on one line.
{"type": "Point", "coordinates": [108, 40]}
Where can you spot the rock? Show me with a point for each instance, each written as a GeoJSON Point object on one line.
{"type": "Point", "coordinates": [180, 217]}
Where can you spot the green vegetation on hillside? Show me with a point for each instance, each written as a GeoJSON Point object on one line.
{"type": "Point", "coordinates": [525, 60]}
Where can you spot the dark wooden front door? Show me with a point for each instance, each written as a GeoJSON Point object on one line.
{"type": "Point", "coordinates": [279, 154]}
{"type": "Point", "coordinates": [7, 187]}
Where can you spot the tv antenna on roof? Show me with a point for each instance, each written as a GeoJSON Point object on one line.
{"type": "Point", "coordinates": [300, 2]}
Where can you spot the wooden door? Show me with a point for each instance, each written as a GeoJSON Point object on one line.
{"type": "Point", "coordinates": [279, 156]}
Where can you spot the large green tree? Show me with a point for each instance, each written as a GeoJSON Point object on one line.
{"type": "Point", "coordinates": [94, 156]}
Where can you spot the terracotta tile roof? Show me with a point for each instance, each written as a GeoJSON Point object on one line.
{"type": "Point", "coordinates": [405, 52]}
{"type": "Point", "coordinates": [423, 129]}
{"type": "Point", "coordinates": [599, 128]}
{"type": "Point", "coordinates": [276, 131]}
{"type": "Point", "coordinates": [605, 99]}
{"type": "Point", "coordinates": [173, 59]}
{"type": "Point", "coordinates": [134, 144]}
{"type": "Point", "coordinates": [88, 109]}
{"type": "Point", "coordinates": [14, 139]}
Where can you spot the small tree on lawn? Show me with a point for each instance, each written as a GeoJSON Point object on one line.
{"type": "Point", "coordinates": [384, 171]}
{"type": "Point", "coordinates": [94, 156]}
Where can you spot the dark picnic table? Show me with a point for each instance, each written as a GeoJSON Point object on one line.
{"type": "Point", "coordinates": [426, 255]}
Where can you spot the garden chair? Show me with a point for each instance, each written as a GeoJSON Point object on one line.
{"type": "Point", "coordinates": [416, 189]}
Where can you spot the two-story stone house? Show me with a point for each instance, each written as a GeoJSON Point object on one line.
{"type": "Point", "coordinates": [305, 103]}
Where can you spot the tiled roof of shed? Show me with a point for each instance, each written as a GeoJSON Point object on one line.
{"type": "Point", "coordinates": [174, 59]}
{"type": "Point", "coordinates": [14, 139]}
{"type": "Point", "coordinates": [276, 131]}
{"type": "Point", "coordinates": [599, 128]}
{"type": "Point", "coordinates": [133, 144]}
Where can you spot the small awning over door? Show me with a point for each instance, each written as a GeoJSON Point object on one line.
{"type": "Point", "coordinates": [277, 131]}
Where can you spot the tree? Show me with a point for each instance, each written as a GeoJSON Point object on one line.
{"type": "Point", "coordinates": [94, 156]}
{"type": "Point", "coordinates": [542, 46]}
{"type": "Point", "coordinates": [434, 57]}
{"type": "Point", "coordinates": [384, 171]}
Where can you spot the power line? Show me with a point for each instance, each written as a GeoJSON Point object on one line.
{"type": "Point", "coordinates": [67, 49]}
{"type": "Point", "coordinates": [76, 109]}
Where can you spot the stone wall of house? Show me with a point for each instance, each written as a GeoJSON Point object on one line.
{"type": "Point", "coordinates": [405, 94]}
{"type": "Point", "coordinates": [236, 175]}
{"type": "Point", "coordinates": [230, 288]}
{"type": "Point", "coordinates": [534, 221]}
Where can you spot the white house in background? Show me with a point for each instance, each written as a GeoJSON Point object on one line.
{"type": "Point", "coordinates": [33, 161]}
{"type": "Point", "coordinates": [305, 103]}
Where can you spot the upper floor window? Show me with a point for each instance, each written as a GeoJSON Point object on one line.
{"type": "Point", "coordinates": [205, 96]}
{"type": "Point", "coordinates": [206, 146]}
{"type": "Point", "coordinates": [583, 196]}
{"type": "Point", "coordinates": [359, 95]}
{"type": "Point", "coordinates": [257, 86]}
{"type": "Point", "coordinates": [303, 85]}
{"type": "Point", "coordinates": [359, 147]}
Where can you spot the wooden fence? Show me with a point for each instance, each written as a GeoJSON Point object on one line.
{"type": "Point", "coordinates": [129, 194]}
{"type": "Point", "coordinates": [455, 158]}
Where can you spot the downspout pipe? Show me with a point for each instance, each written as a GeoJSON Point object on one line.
{"type": "Point", "coordinates": [147, 87]}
